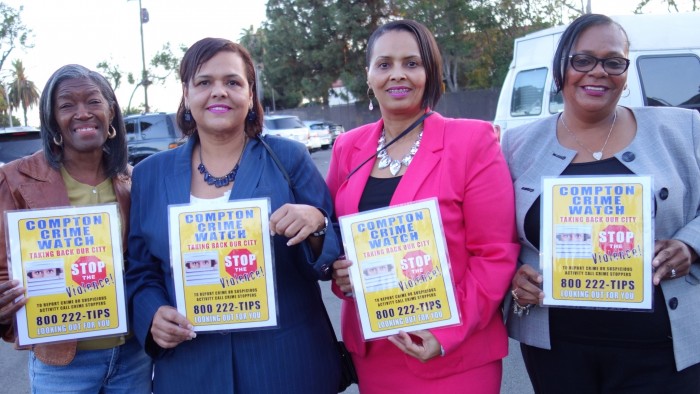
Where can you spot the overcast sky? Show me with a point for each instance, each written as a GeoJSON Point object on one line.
{"type": "Point", "coordinates": [90, 31]}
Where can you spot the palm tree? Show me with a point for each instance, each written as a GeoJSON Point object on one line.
{"type": "Point", "coordinates": [4, 105]}
{"type": "Point", "coordinates": [23, 92]}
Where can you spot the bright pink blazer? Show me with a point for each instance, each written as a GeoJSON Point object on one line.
{"type": "Point", "coordinates": [459, 162]}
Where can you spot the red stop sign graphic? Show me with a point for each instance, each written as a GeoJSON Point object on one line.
{"type": "Point", "coordinates": [240, 262]}
{"type": "Point", "coordinates": [616, 238]}
{"type": "Point", "coordinates": [88, 269]}
{"type": "Point", "coordinates": [416, 263]}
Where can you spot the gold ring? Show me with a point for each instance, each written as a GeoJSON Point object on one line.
{"type": "Point", "coordinates": [514, 293]}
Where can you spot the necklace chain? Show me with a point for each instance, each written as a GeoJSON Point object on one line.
{"type": "Point", "coordinates": [596, 155]}
{"type": "Point", "coordinates": [395, 165]}
{"type": "Point", "coordinates": [219, 181]}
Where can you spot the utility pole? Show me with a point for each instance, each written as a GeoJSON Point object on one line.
{"type": "Point", "coordinates": [143, 18]}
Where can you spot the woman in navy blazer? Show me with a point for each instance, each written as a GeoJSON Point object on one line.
{"type": "Point", "coordinates": [222, 115]}
{"type": "Point", "coordinates": [602, 351]}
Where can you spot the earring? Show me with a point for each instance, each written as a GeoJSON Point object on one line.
{"type": "Point", "coordinates": [625, 92]}
{"type": "Point", "coordinates": [58, 142]}
{"type": "Point", "coordinates": [370, 95]}
{"type": "Point", "coordinates": [188, 115]}
{"type": "Point", "coordinates": [252, 116]}
{"type": "Point", "coordinates": [112, 132]}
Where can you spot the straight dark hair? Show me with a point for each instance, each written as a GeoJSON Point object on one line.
{"type": "Point", "coordinates": [114, 158]}
{"type": "Point", "coordinates": [429, 53]}
{"type": "Point", "coordinates": [568, 40]}
{"type": "Point", "coordinates": [201, 52]}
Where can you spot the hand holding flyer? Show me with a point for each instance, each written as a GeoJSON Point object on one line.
{"type": "Point", "coordinates": [70, 262]}
{"type": "Point", "coordinates": [222, 265]}
{"type": "Point", "coordinates": [401, 274]}
{"type": "Point", "coordinates": [597, 242]}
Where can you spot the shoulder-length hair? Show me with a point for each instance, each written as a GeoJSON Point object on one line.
{"type": "Point", "coordinates": [114, 158]}
{"type": "Point", "coordinates": [429, 53]}
{"type": "Point", "coordinates": [568, 39]}
{"type": "Point", "coordinates": [201, 52]}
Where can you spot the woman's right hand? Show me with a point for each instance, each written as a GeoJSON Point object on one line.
{"type": "Point", "coordinates": [341, 275]}
{"type": "Point", "coordinates": [525, 286]}
{"type": "Point", "coordinates": [8, 292]}
{"type": "Point", "coordinates": [170, 328]}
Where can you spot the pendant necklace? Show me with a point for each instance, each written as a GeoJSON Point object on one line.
{"type": "Point", "coordinates": [596, 155]}
{"type": "Point", "coordinates": [219, 181]}
{"type": "Point", "coordinates": [395, 165]}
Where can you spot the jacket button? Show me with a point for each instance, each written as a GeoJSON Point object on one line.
{"type": "Point", "coordinates": [673, 303]}
{"type": "Point", "coordinates": [663, 193]}
{"type": "Point", "coordinates": [628, 156]}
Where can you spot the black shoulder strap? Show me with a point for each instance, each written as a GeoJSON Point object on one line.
{"type": "Point", "coordinates": [277, 161]}
{"type": "Point", "coordinates": [289, 181]}
{"type": "Point", "coordinates": [403, 133]}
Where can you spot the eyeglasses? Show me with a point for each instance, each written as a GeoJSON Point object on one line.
{"type": "Point", "coordinates": [612, 65]}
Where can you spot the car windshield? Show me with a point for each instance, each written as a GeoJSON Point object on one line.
{"type": "Point", "coordinates": [16, 145]}
{"type": "Point", "coordinates": [283, 123]}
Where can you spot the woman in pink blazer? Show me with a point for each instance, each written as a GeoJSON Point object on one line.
{"type": "Point", "coordinates": [457, 161]}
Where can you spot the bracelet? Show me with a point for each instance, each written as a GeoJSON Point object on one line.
{"type": "Point", "coordinates": [521, 310]}
{"type": "Point", "coordinates": [323, 230]}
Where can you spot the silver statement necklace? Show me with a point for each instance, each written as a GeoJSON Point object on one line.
{"type": "Point", "coordinates": [596, 155]}
{"type": "Point", "coordinates": [395, 165]}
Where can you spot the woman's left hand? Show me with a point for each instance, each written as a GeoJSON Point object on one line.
{"type": "Point", "coordinates": [296, 222]}
{"type": "Point", "coordinates": [672, 259]}
{"type": "Point", "coordinates": [426, 348]}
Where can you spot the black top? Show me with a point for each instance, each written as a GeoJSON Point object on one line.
{"type": "Point", "coordinates": [378, 193]}
{"type": "Point", "coordinates": [603, 326]}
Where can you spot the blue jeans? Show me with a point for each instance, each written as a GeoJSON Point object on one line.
{"type": "Point", "coordinates": [123, 369]}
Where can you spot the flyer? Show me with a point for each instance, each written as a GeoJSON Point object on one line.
{"type": "Point", "coordinates": [597, 242]}
{"type": "Point", "coordinates": [401, 274]}
{"type": "Point", "coordinates": [222, 263]}
{"type": "Point", "coordinates": [70, 260]}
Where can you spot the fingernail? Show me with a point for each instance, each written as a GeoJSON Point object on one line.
{"type": "Point", "coordinates": [193, 335]}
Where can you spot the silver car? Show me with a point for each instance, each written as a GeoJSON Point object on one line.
{"type": "Point", "coordinates": [291, 127]}
{"type": "Point", "coordinates": [322, 129]}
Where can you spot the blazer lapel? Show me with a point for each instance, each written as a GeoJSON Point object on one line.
{"type": "Point", "coordinates": [365, 147]}
{"type": "Point", "coordinates": [250, 171]}
{"type": "Point", "coordinates": [177, 182]}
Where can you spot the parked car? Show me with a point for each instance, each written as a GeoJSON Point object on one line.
{"type": "Point", "coordinates": [323, 131]}
{"type": "Point", "coordinates": [150, 133]}
{"type": "Point", "coordinates": [16, 142]}
{"type": "Point", "coordinates": [291, 127]}
{"type": "Point", "coordinates": [336, 129]}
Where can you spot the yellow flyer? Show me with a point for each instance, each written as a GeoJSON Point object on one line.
{"type": "Point", "coordinates": [401, 274]}
{"type": "Point", "coordinates": [222, 264]}
{"type": "Point", "coordinates": [70, 260]}
{"type": "Point", "coordinates": [597, 242]}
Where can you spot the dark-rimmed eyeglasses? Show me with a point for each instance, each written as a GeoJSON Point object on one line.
{"type": "Point", "coordinates": [612, 65]}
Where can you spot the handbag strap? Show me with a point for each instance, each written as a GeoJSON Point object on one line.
{"type": "Point", "coordinates": [398, 137]}
{"type": "Point", "coordinates": [289, 182]}
{"type": "Point", "coordinates": [277, 162]}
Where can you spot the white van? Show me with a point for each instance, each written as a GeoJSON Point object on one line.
{"type": "Point", "coordinates": [664, 69]}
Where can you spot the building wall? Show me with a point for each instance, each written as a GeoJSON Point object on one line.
{"type": "Point", "coordinates": [475, 104]}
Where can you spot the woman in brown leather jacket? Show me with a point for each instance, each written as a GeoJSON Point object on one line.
{"type": "Point", "coordinates": [84, 162]}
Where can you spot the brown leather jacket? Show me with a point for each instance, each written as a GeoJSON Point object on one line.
{"type": "Point", "coordinates": [29, 183]}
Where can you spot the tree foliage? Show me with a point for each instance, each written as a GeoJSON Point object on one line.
{"type": "Point", "coordinates": [162, 66]}
{"type": "Point", "coordinates": [306, 45]}
{"type": "Point", "coordinates": [671, 5]}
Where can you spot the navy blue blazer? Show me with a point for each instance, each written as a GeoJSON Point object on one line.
{"type": "Point", "coordinates": [297, 357]}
